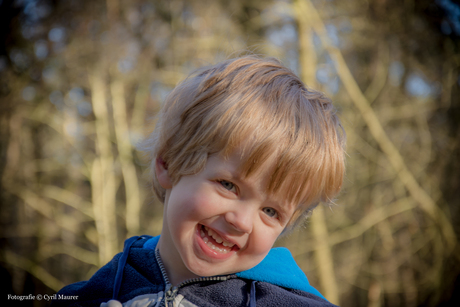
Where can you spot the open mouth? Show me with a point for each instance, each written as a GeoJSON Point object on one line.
{"type": "Point", "coordinates": [215, 242]}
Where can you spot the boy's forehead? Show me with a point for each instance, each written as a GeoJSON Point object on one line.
{"type": "Point", "coordinates": [241, 161]}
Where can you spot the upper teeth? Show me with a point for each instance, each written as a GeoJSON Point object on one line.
{"type": "Point", "coordinates": [218, 238]}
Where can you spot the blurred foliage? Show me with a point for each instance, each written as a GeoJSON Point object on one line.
{"type": "Point", "coordinates": [81, 82]}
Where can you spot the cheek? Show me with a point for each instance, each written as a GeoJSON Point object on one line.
{"type": "Point", "coordinates": [191, 204]}
{"type": "Point", "coordinates": [264, 240]}
{"type": "Point", "coordinates": [257, 253]}
{"type": "Point", "coordinates": [204, 201]}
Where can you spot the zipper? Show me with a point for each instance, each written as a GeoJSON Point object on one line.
{"type": "Point", "coordinates": [171, 291]}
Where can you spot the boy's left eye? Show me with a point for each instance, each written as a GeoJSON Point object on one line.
{"type": "Point", "coordinates": [228, 185]}
{"type": "Point", "coordinates": [270, 212]}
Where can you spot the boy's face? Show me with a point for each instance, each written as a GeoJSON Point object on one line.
{"type": "Point", "coordinates": [217, 222]}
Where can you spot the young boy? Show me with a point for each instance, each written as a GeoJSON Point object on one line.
{"type": "Point", "coordinates": [241, 152]}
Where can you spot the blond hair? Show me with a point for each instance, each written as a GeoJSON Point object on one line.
{"type": "Point", "coordinates": [264, 105]}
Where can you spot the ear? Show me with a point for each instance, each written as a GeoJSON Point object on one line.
{"type": "Point", "coordinates": [161, 170]}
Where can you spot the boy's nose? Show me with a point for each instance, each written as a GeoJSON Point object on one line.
{"type": "Point", "coordinates": [240, 220]}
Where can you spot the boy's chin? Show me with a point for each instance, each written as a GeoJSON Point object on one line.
{"type": "Point", "coordinates": [215, 269]}
{"type": "Point", "coordinates": [206, 269]}
{"type": "Point", "coordinates": [208, 273]}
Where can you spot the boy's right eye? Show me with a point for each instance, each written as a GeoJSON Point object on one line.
{"type": "Point", "coordinates": [228, 185]}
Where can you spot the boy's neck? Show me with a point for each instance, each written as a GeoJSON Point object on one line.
{"type": "Point", "coordinates": [176, 271]}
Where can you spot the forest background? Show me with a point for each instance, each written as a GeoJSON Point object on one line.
{"type": "Point", "coordinates": [81, 82]}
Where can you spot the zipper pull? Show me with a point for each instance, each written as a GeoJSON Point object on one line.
{"type": "Point", "coordinates": [170, 294]}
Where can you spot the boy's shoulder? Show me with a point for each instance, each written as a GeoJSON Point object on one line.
{"type": "Point", "coordinates": [276, 281]}
{"type": "Point", "coordinates": [135, 275]}
{"type": "Point", "coordinates": [135, 267]}
{"type": "Point", "coordinates": [279, 268]}
{"type": "Point", "coordinates": [245, 292]}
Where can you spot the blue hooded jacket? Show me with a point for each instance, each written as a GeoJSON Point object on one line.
{"type": "Point", "coordinates": [137, 277]}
